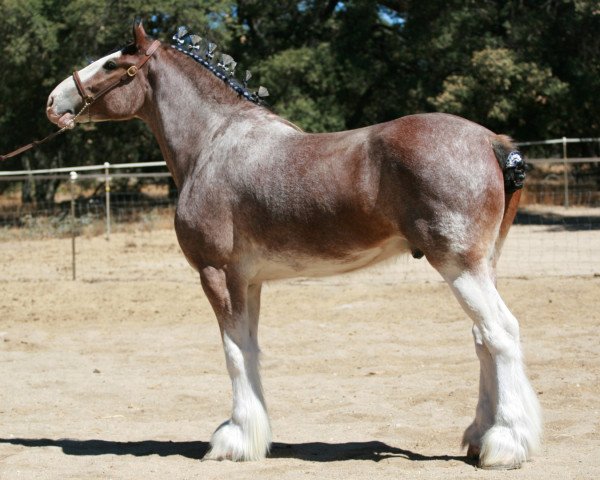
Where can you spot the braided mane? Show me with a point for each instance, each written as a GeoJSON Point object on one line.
{"type": "Point", "coordinates": [189, 44]}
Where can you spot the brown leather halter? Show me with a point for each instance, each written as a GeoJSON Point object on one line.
{"type": "Point", "coordinates": [88, 99]}
{"type": "Point", "coordinates": [131, 72]}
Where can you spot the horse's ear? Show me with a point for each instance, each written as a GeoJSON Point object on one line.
{"type": "Point", "coordinates": [139, 34]}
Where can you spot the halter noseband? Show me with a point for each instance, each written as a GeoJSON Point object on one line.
{"type": "Point", "coordinates": [131, 72]}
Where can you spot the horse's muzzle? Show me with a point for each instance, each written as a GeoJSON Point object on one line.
{"type": "Point", "coordinates": [62, 120]}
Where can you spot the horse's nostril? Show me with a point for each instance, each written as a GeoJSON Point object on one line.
{"type": "Point", "coordinates": [71, 111]}
{"type": "Point", "coordinates": [50, 101]}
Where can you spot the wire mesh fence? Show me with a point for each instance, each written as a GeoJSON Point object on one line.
{"type": "Point", "coordinates": [133, 205]}
{"type": "Point", "coordinates": [103, 202]}
{"type": "Point", "coordinates": [563, 171]}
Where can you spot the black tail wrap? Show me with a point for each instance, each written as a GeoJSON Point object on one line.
{"type": "Point", "coordinates": [514, 172]}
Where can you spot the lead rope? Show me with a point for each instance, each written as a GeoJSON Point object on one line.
{"type": "Point", "coordinates": [37, 143]}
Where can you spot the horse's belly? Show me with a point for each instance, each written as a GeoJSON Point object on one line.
{"type": "Point", "coordinates": [289, 265]}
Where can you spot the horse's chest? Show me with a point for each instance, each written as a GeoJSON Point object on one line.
{"type": "Point", "coordinates": [204, 228]}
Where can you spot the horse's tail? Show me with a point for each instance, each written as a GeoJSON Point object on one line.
{"type": "Point", "coordinates": [511, 163]}
{"type": "Point", "coordinates": [513, 170]}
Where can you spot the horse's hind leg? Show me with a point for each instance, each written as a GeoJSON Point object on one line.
{"type": "Point", "coordinates": [247, 434]}
{"type": "Point", "coordinates": [486, 405]}
{"type": "Point", "coordinates": [507, 426]}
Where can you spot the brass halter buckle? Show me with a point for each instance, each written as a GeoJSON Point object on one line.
{"type": "Point", "coordinates": [132, 71]}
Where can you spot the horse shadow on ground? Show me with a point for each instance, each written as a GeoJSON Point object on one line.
{"type": "Point", "coordinates": [313, 451]}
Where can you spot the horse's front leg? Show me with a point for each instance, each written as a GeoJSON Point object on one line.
{"type": "Point", "coordinates": [247, 434]}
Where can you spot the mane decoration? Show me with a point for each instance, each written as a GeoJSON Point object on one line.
{"type": "Point", "coordinates": [223, 67]}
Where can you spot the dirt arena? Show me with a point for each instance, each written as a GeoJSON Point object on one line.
{"type": "Point", "coordinates": [121, 375]}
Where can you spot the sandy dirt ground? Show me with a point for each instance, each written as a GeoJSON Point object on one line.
{"type": "Point", "coordinates": [121, 374]}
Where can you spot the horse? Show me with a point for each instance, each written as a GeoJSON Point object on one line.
{"type": "Point", "coordinates": [262, 200]}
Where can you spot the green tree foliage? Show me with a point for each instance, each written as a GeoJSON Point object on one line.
{"type": "Point", "coordinates": [527, 68]}
{"type": "Point", "coordinates": [545, 53]}
{"type": "Point", "coordinates": [499, 90]}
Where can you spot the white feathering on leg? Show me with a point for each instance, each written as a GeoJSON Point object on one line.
{"type": "Point", "coordinates": [247, 435]}
{"type": "Point", "coordinates": [516, 429]}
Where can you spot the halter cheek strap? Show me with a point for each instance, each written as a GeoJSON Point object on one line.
{"type": "Point", "coordinates": [86, 98]}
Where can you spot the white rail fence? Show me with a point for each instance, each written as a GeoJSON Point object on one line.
{"type": "Point", "coordinates": [557, 230]}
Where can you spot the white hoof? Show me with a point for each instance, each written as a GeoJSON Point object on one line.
{"type": "Point", "coordinates": [503, 448]}
{"type": "Point", "coordinates": [231, 442]}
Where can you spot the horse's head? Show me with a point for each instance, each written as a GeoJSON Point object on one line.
{"type": "Point", "coordinates": [114, 86]}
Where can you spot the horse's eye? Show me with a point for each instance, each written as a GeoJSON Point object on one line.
{"type": "Point", "coordinates": [110, 65]}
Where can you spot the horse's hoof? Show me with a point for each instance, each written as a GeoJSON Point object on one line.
{"type": "Point", "coordinates": [210, 455]}
{"type": "Point", "coordinates": [227, 443]}
{"type": "Point", "coordinates": [511, 466]}
{"type": "Point", "coordinates": [473, 451]}
{"type": "Point", "coordinates": [500, 450]}
{"type": "Point", "coordinates": [231, 442]}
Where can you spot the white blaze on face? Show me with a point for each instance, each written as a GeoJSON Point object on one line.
{"type": "Point", "coordinates": [65, 100]}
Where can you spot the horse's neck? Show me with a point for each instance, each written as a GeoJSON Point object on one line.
{"type": "Point", "coordinates": [196, 118]}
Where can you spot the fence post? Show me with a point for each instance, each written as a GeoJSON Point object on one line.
{"type": "Point", "coordinates": [564, 142]}
{"type": "Point", "coordinates": [73, 178]}
{"type": "Point", "coordinates": [107, 192]}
